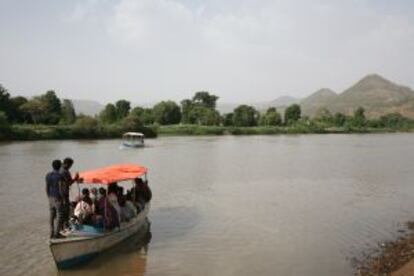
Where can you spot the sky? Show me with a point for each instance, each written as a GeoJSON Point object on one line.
{"type": "Point", "coordinates": [241, 50]}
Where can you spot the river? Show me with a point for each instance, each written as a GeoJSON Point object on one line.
{"type": "Point", "coordinates": [251, 205]}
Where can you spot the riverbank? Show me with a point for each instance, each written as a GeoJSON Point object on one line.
{"type": "Point", "coordinates": [184, 130]}
{"type": "Point", "coordinates": [63, 132]}
{"type": "Point", "coordinates": [395, 258]}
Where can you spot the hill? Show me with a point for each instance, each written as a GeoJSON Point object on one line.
{"type": "Point", "coordinates": [321, 98]}
{"type": "Point", "coordinates": [377, 95]}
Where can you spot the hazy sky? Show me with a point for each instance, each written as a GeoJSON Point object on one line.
{"type": "Point", "coordinates": [241, 50]}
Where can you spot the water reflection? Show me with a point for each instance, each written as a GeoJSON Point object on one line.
{"type": "Point", "coordinates": [126, 258]}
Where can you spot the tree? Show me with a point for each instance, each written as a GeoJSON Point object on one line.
{"type": "Point", "coordinates": [323, 115]}
{"type": "Point", "coordinates": [204, 116]}
{"type": "Point", "coordinates": [245, 115]}
{"type": "Point", "coordinates": [53, 108]}
{"type": "Point", "coordinates": [85, 125]}
{"type": "Point", "coordinates": [339, 119]}
{"type": "Point", "coordinates": [122, 108]}
{"type": "Point", "coordinates": [16, 114]}
{"type": "Point", "coordinates": [359, 119]}
{"type": "Point", "coordinates": [68, 112]}
{"type": "Point", "coordinates": [227, 119]}
{"type": "Point", "coordinates": [166, 113]}
{"type": "Point", "coordinates": [186, 106]}
{"type": "Point", "coordinates": [292, 113]}
{"type": "Point", "coordinates": [4, 124]}
{"type": "Point", "coordinates": [4, 101]}
{"type": "Point", "coordinates": [108, 115]}
{"type": "Point", "coordinates": [131, 123]}
{"type": "Point", "coordinates": [393, 120]}
{"type": "Point", "coordinates": [37, 109]}
{"type": "Point", "coordinates": [205, 99]}
{"type": "Point", "coordinates": [145, 115]}
{"type": "Point", "coordinates": [271, 118]}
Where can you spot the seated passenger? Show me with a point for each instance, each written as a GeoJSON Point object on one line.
{"type": "Point", "coordinates": [101, 199]}
{"type": "Point", "coordinates": [105, 212]}
{"type": "Point", "coordinates": [128, 210]}
{"type": "Point", "coordinates": [113, 198]}
{"type": "Point", "coordinates": [83, 210]}
{"type": "Point", "coordinates": [130, 205]}
{"type": "Point", "coordinates": [86, 196]}
{"type": "Point", "coordinates": [94, 198]}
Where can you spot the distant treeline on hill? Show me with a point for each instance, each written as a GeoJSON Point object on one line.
{"type": "Point", "coordinates": [22, 118]}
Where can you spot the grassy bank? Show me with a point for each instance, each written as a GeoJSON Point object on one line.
{"type": "Point", "coordinates": [61, 132]}
{"type": "Point", "coordinates": [185, 130]}
{"type": "Point", "coordinates": [43, 132]}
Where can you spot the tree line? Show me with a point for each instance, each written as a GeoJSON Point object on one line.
{"type": "Point", "coordinates": [49, 109]}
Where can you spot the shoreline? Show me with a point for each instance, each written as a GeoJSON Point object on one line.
{"type": "Point", "coordinates": [395, 257]}
{"type": "Point", "coordinates": [44, 132]}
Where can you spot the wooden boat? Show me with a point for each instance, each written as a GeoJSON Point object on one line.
{"type": "Point", "coordinates": [133, 139]}
{"type": "Point", "coordinates": [85, 242]}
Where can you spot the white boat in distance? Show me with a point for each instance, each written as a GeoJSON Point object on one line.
{"type": "Point", "coordinates": [133, 139]}
{"type": "Point", "coordinates": [81, 245]}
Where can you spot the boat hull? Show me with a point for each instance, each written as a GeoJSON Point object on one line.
{"type": "Point", "coordinates": [133, 144]}
{"type": "Point", "coordinates": [70, 252]}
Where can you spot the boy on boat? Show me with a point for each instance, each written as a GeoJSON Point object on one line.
{"type": "Point", "coordinates": [55, 197]}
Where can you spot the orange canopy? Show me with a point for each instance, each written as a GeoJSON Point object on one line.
{"type": "Point", "coordinates": [113, 173]}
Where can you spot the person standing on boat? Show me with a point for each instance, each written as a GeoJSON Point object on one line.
{"type": "Point", "coordinates": [141, 192]}
{"type": "Point", "coordinates": [67, 181]}
{"type": "Point", "coordinates": [55, 196]}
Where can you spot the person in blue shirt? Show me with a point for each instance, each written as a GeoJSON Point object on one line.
{"type": "Point", "coordinates": [55, 197]}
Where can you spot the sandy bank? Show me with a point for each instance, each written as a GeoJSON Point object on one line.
{"type": "Point", "coordinates": [394, 257]}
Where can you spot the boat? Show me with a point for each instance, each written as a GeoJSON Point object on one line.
{"type": "Point", "coordinates": [133, 139]}
{"type": "Point", "coordinates": [84, 242]}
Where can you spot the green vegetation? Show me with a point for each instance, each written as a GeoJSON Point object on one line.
{"type": "Point", "coordinates": [48, 117]}
{"type": "Point", "coordinates": [292, 114]}
{"type": "Point", "coordinates": [167, 113]}
{"type": "Point", "coordinates": [245, 116]}
{"type": "Point", "coordinates": [200, 110]}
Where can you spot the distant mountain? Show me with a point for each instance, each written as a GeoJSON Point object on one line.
{"type": "Point", "coordinates": [224, 108]}
{"type": "Point", "coordinates": [280, 103]}
{"type": "Point", "coordinates": [284, 101]}
{"type": "Point", "coordinates": [87, 107]}
{"type": "Point", "coordinates": [377, 95]}
{"type": "Point", "coordinates": [321, 98]}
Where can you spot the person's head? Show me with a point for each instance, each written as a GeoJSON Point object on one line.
{"type": "Point", "coordinates": [120, 190]}
{"type": "Point", "coordinates": [138, 181]}
{"type": "Point", "coordinates": [56, 164]}
{"type": "Point", "coordinates": [94, 191]}
{"type": "Point", "coordinates": [67, 162]}
{"type": "Point", "coordinates": [102, 192]}
{"type": "Point", "coordinates": [113, 188]}
{"type": "Point", "coordinates": [85, 192]}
